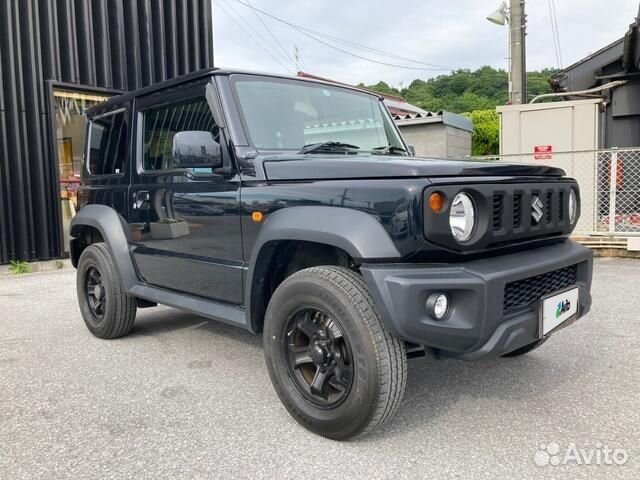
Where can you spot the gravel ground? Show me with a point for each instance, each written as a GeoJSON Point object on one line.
{"type": "Point", "coordinates": [182, 397]}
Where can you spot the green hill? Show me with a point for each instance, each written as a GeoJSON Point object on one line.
{"type": "Point", "coordinates": [463, 90]}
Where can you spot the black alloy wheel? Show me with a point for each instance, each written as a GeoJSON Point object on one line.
{"type": "Point", "coordinates": [319, 357]}
{"type": "Point", "coordinates": [107, 309]}
{"type": "Point", "coordinates": [333, 364]}
{"type": "Point", "coordinates": [95, 293]}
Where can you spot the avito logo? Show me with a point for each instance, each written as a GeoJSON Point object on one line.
{"type": "Point", "coordinates": [563, 307]}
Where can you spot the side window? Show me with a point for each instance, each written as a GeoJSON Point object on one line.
{"type": "Point", "coordinates": [108, 144]}
{"type": "Point", "coordinates": [195, 148]}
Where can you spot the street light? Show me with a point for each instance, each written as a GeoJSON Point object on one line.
{"type": "Point", "coordinates": [501, 17]}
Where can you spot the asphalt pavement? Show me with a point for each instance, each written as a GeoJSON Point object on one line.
{"type": "Point", "coordinates": [183, 397]}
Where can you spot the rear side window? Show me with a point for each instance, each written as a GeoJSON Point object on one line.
{"type": "Point", "coordinates": [108, 144]}
{"type": "Point", "coordinates": [161, 123]}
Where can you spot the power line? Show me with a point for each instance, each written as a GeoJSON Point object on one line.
{"type": "Point", "coordinates": [262, 46]}
{"type": "Point", "coordinates": [307, 33]}
{"type": "Point", "coordinates": [374, 50]}
{"type": "Point", "coordinates": [262, 38]}
{"type": "Point", "coordinates": [554, 32]}
{"type": "Point", "coordinates": [388, 64]}
{"type": "Point", "coordinates": [555, 20]}
{"type": "Point", "coordinates": [299, 59]}
{"type": "Point", "coordinates": [271, 33]}
{"type": "Point", "coordinates": [303, 64]}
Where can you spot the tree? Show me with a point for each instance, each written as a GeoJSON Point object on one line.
{"type": "Point", "coordinates": [381, 87]}
{"type": "Point", "coordinates": [485, 139]}
{"type": "Point", "coordinates": [465, 90]}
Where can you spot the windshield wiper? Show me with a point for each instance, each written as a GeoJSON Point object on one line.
{"type": "Point", "coordinates": [389, 150]}
{"type": "Point", "coordinates": [329, 147]}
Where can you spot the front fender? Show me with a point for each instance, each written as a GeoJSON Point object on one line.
{"type": "Point", "coordinates": [357, 233]}
{"type": "Point", "coordinates": [112, 228]}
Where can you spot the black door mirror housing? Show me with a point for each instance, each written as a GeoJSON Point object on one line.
{"type": "Point", "coordinates": [196, 149]}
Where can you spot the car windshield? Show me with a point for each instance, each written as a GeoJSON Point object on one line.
{"type": "Point", "coordinates": [282, 114]}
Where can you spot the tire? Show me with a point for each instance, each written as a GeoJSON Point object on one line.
{"type": "Point", "coordinates": [526, 349]}
{"type": "Point", "coordinates": [107, 310]}
{"type": "Point", "coordinates": [369, 374]}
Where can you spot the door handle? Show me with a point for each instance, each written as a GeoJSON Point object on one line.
{"type": "Point", "coordinates": [141, 200]}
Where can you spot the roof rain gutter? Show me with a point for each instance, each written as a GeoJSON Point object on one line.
{"type": "Point", "coordinates": [589, 91]}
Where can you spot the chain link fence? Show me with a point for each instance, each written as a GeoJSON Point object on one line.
{"type": "Point", "coordinates": [609, 186]}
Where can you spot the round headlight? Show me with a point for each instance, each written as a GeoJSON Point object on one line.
{"type": "Point", "coordinates": [462, 217]}
{"type": "Point", "coordinates": [573, 206]}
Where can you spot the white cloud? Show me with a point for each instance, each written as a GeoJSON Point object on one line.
{"type": "Point", "coordinates": [454, 34]}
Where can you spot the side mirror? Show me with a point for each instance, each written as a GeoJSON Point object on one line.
{"type": "Point", "coordinates": [196, 149]}
{"type": "Point", "coordinates": [412, 150]}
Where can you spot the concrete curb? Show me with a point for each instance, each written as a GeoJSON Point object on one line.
{"type": "Point", "coordinates": [43, 266]}
{"type": "Point", "coordinates": [607, 246]}
{"type": "Point", "coordinates": [615, 252]}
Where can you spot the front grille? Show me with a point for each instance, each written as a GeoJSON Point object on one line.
{"type": "Point", "coordinates": [510, 213]}
{"type": "Point", "coordinates": [497, 212]}
{"type": "Point", "coordinates": [547, 208]}
{"type": "Point", "coordinates": [517, 210]}
{"type": "Point", "coordinates": [522, 293]}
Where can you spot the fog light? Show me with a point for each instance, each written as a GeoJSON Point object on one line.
{"type": "Point", "coordinates": [437, 305]}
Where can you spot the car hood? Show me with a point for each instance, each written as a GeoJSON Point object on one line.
{"type": "Point", "coordinates": [320, 166]}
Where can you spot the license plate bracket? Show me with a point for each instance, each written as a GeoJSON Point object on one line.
{"type": "Point", "coordinates": [556, 309]}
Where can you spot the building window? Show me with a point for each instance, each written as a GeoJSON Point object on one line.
{"type": "Point", "coordinates": [70, 130]}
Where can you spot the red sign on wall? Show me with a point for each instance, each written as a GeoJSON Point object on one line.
{"type": "Point", "coordinates": [543, 152]}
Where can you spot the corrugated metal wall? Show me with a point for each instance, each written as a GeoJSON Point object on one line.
{"type": "Point", "coordinates": [112, 44]}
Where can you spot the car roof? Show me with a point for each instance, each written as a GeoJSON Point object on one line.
{"type": "Point", "coordinates": [116, 101]}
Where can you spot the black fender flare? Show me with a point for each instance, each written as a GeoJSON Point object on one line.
{"type": "Point", "coordinates": [357, 233]}
{"type": "Point", "coordinates": [112, 228]}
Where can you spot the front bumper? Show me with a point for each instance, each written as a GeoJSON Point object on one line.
{"type": "Point", "coordinates": [478, 325]}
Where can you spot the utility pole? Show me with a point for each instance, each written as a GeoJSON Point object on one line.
{"type": "Point", "coordinates": [296, 54]}
{"type": "Point", "coordinates": [517, 33]}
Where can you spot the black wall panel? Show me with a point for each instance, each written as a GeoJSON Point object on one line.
{"type": "Point", "coordinates": [107, 44]}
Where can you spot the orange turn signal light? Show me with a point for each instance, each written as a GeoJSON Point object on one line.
{"type": "Point", "coordinates": [436, 201]}
{"type": "Point", "coordinates": [257, 216]}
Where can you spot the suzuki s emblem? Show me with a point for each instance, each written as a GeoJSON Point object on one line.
{"type": "Point", "coordinates": [536, 209]}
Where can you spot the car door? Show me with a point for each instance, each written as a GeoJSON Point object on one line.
{"type": "Point", "coordinates": [185, 198]}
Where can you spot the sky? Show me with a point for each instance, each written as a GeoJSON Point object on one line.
{"type": "Point", "coordinates": [450, 34]}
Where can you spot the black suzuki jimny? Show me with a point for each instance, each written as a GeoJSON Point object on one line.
{"type": "Point", "coordinates": [294, 208]}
